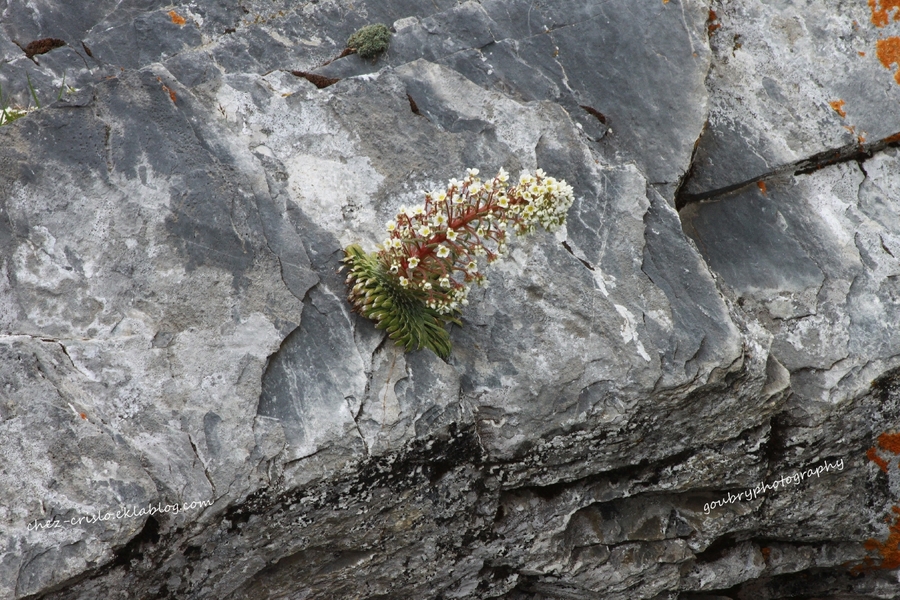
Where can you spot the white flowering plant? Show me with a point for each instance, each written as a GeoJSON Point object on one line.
{"type": "Point", "coordinates": [418, 280]}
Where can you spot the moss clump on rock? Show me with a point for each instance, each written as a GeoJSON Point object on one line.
{"type": "Point", "coordinates": [370, 41]}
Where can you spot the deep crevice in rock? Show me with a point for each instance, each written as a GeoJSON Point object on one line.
{"type": "Point", "coordinates": [679, 189]}
{"type": "Point", "coordinates": [850, 153]}
{"type": "Point", "coordinates": [135, 548]}
{"type": "Point", "coordinates": [320, 81]}
{"type": "Point", "coordinates": [570, 251]}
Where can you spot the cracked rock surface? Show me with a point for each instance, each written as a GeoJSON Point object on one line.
{"type": "Point", "coordinates": [174, 331]}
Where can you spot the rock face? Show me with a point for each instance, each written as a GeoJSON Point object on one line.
{"type": "Point", "coordinates": [719, 315]}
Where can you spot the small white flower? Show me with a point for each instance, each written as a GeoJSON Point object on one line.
{"type": "Point", "coordinates": [425, 231]}
{"type": "Point", "coordinates": [503, 202]}
{"type": "Point", "coordinates": [445, 283]}
{"type": "Point", "coordinates": [452, 235]}
{"type": "Point", "coordinates": [402, 211]}
{"type": "Point", "coordinates": [472, 172]}
{"type": "Point", "coordinates": [418, 209]}
{"type": "Point", "coordinates": [458, 199]}
{"type": "Point", "coordinates": [391, 225]}
{"type": "Point", "coordinates": [472, 267]}
{"type": "Point", "coordinates": [427, 286]}
{"type": "Point", "coordinates": [413, 262]}
{"type": "Point", "coordinates": [443, 252]}
{"type": "Point", "coordinates": [395, 268]}
{"type": "Point", "coordinates": [439, 220]}
{"type": "Point", "coordinates": [441, 197]}
{"type": "Point", "coordinates": [404, 281]}
{"type": "Point", "coordinates": [396, 243]}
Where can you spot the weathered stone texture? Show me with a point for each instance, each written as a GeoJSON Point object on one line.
{"type": "Point", "coordinates": [720, 310]}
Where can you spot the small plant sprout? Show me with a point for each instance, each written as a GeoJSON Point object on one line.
{"type": "Point", "coordinates": [8, 114]}
{"type": "Point", "coordinates": [418, 280]}
{"type": "Point", "coordinates": [370, 41]}
{"type": "Point", "coordinates": [34, 95]}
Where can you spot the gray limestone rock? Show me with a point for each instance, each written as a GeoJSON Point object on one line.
{"type": "Point", "coordinates": [190, 409]}
{"type": "Point", "coordinates": [791, 85]}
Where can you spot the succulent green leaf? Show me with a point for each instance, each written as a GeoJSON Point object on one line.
{"type": "Point", "coordinates": [400, 311]}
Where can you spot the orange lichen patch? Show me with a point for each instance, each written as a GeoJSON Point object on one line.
{"type": "Point", "coordinates": [838, 107]}
{"type": "Point", "coordinates": [168, 90]}
{"type": "Point", "coordinates": [712, 23]}
{"type": "Point", "coordinates": [861, 139]}
{"type": "Point", "coordinates": [881, 14]}
{"type": "Point", "coordinates": [861, 53]}
{"type": "Point", "coordinates": [765, 551]}
{"type": "Point", "coordinates": [890, 548]}
{"type": "Point", "coordinates": [665, 1]}
{"type": "Point", "coordinates": [890, 442]}
{"type": "Point", "coordinates": [892, 138]}
{"type": "Point", "coordinates": [762, 187]}
{"type": "Point", "coordinates": [176, 18]}
{"type": "Point", "coordinates": [83, 416]}
{"type": "Point", "coordinates": [888, 50]}
{"type": "Point", "coordinates": [872, 455]}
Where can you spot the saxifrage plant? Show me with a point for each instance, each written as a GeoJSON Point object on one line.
{"type": "Point", "coordinates": [418, 279]}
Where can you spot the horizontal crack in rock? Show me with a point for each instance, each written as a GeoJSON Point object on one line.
{"type": "Point", "coordinates": [850, 152]}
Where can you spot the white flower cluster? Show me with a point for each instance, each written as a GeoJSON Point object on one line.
{"type": "Point", "coordinates": [10, 114]}
{"type": "Point", "coordinates": [546, 201]}
{"type": "Point", "coordinates": [433, 248]}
